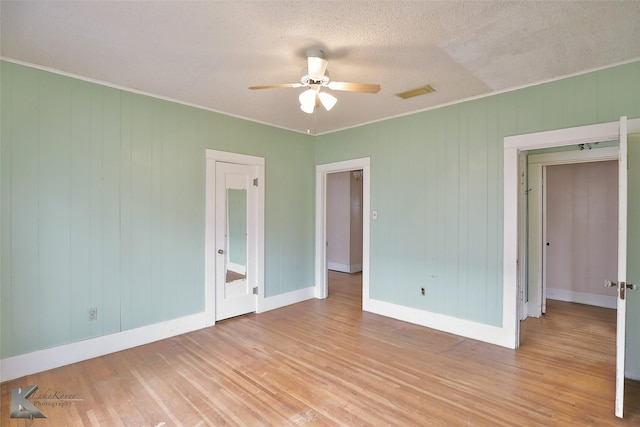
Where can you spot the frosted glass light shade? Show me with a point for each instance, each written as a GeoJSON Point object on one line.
{"type": "Point", "coordinates": [328, 101]}
{"type": "Point", "coordinates": [316, 67]}
{"type": "Point", "coordinates": [308, 101]}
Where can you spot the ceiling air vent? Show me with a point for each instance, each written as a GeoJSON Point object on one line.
{"type": "Point", "coordinates": [422, 90]}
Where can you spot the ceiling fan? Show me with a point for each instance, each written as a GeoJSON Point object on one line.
{"type": "Point", "coordinates": [316, 77]}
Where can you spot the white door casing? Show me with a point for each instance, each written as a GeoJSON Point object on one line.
{"type": "Point", "coordinates": [536, 255]}
{"type": "Point", "coordinates": [621, 317]}
{"type": "Point", "coordinates": [214, 240]}
{"type": "Point", "coordinates": [512, 146]}
{"type": "Point", "coordinates": [235, 276]}
{"type": "Point", "coordinates": [321, 226]}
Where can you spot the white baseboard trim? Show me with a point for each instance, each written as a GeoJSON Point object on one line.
{"type": "Point", "coordinates": [282, 300]}
{"type": "Point", "coordinates": [606, 301]}
{"type": "Point", "coordinates": [344, 268]}
{"type": "Point", "coordinates": [452, 325]}
{"type": "Point", "coordinates": [43, 360]}
{"type": "Point", "coordinates": [237, 268]}
{"type": "Point", "coordinates": [55, 357]}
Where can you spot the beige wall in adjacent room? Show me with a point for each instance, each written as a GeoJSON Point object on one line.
{"type": "Point", "coordinates": [344, 222]}
{"type": "Point", "coordinates": [582, 212]}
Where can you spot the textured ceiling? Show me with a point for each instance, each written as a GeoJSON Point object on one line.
{"type": "Point", "coordinates": [208, 53]}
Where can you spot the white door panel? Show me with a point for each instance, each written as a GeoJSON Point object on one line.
{"type": "Point", "coordinates": [622, 267]}
{"type": "Point", "coordinates": [235, 237]}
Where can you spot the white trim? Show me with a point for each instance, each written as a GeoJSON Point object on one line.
{"type": "Point", "coordinates": [321, 221]}
{"type": "Point", "coordinates": [537, 218]}
{"type": "Point", "coordinates": [408, 113]}
{"type": "Point", "coordinates": [597, 154]}
{"type": "Point", "coordinates": [510, 289]}
{"type": "Point", "coordinates": [441, 322]}
{"type": "Point", "coordinates": [598, 300]}
{"type": "Point", "coordinates": [512, 146]}
{"type": "Point", "coordinates": [522, 227]}
{"type": "Point", "coordinates": [283, 300]}
{"type": "Point", "coordinates": [213, 156]}
{"type": "Point", "coordinates": [344, 268]}
{"type": "Point", "coordinates": [562, 137]}
{"type": "Point", "coordinates": [462, 327]}
{"type": "Point", "coordinates": [229, 157]}
{"type": "Point", "coordinates": [42, 360]}
{"type": "Point", "coordinates": [621, 314]}
{"type": "Point", "coordinates": [237, 268]}
{"type": "Point", "coordinates": [142, 92]}
{"type": "Point", "coordinates": [489, 94]}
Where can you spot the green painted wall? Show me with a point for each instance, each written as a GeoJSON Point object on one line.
{"type": "Point", "coordinates": [103, 206]}
{"type": "Point", "coordinates": [437, 184]}
{"type": "Point", "coordinates": [103, 199]}
{"type": "Point", "coordinates": [633, 258]}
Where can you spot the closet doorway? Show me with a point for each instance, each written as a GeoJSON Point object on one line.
{"type": "Point", "coordinates": [571, 197]}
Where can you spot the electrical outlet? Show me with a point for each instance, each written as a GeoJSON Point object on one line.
{"type": "Point", "coordinates": [422, 291]}
{"type": "Point", "coordinates": [93, 314]}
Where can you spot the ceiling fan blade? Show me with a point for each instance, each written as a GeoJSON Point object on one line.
{"type": "Point", "coordinates": [283, 85]}
{"type": "Point", "coordinates": [354, 87]}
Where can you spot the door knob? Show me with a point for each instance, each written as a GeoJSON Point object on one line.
{"type": "Point", "coordinates": [621, 286]}
{"type": "Point", "coordinates": [220, 251]}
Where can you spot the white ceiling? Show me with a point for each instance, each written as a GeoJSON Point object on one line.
{"type": "Point", "coordinates": [208, 53]}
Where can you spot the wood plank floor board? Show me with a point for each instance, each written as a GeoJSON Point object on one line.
{"type": "Point", "coordinates": [327, 363]}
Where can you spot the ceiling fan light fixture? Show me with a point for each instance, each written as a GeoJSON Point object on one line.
{"type": "Point", "coordinates": [328, 101]}
{"type": "Point", "coordinates": [315, 77]}
{"type": "Point", "coordinates": [316, 63]}
{"type": "Point", "coordinates": [307, 109]}
{"type": "Point", "coordinates": [308, 101]}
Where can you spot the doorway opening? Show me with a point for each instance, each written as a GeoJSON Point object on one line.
{"type": "Point", "coordinates": [344, 226]}
{"type": "Point", "coordinates": [513, 238]}
{"type": "Point", "coordinates": [514, 244]}
{"type": "Point", "coordinates": [571, 227]}
{"type": "Point", "coordinates": [357, 171]}
{"type": "Point", "coordinates": [234, 234]}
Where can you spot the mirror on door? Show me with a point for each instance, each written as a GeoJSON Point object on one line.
{"type": "Point", "coordinates": [236, 235]}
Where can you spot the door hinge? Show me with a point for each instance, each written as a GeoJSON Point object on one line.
{"type": "Point", "coordinates": [255, 182]}
{"type": "Point", "coordinates": [255, 290]}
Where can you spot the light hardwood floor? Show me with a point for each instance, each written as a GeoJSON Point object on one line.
{"type": "Point", "coordinates": [325, 362]}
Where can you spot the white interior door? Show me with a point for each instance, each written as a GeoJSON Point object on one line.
{"type": "Point", "coordinates": [236, 197]}
{"type": "Point", "coordinates": [622, 268]}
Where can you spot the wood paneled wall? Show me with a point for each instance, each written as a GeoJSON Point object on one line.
{"type": "Point", "coordinates": [437, 184]}
{"type": "Point", "coordinates": [103, 207]}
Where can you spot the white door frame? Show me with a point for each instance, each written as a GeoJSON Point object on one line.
{"type": "Point", "coordinates": [212, 157]}
{"type": "Point", "coordinates": [537, 212]}
{"type": "Point", "coordinates": [322, 289]}
{"type": "Point", "coordinates": [621, 301]}
{"type": "Point", "coordinates": [513, 145]}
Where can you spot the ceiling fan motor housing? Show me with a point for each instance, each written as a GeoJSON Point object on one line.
{"type": "Point", "coordinates": [307, 79]}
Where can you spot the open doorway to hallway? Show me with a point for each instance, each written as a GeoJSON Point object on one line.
{"type": "Point", "coordinates": [344, 225]}
{"type": "Point", "coordinates": [345, 288]}
{"type": "Point", "coordinates": [323, 173]}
